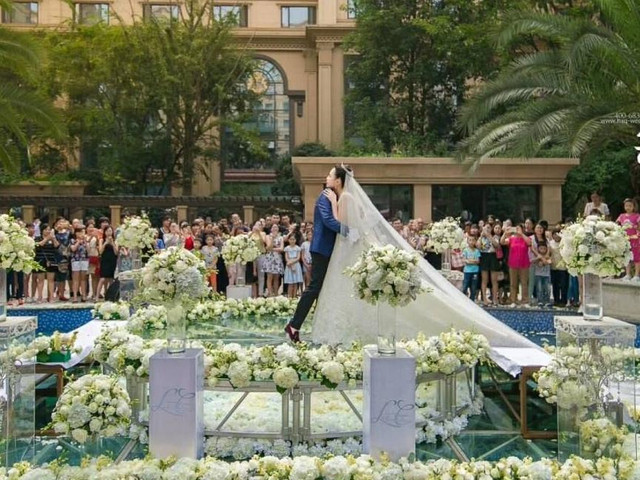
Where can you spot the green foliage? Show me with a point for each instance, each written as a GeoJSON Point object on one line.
{"type": "Point", "coordinates": [406, 83]}
{"type": "Point", "coordinates": [147, 100]}
{"type": "Point", "coordinates": [577, 88]}
{"type": "Point", "coordinates": [24, 114]}
{"type": "Point", "coordinates": [286, 183]}
{"type": "Point", "coordinates": [613, 171]}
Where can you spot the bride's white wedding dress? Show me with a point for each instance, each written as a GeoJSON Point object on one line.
{"type": "Point", "coordinates": [341, 317]}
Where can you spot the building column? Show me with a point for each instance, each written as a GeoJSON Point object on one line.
{"type": "Point", "coordinates": [311, 100]}
{"type": "Point", "coordinates": [28, 213]}
{"type": "Point", "coordinates": [248, 212]}
{"type": "Point", "coordinates": [53, 214]}
{"type": "Point", "coordinates": [311, 194]}
{"type": "Point", "coordinates": [116, 213]}
{"type": "Point", "coordinates": [182, 212]}
{"type": "Point", "coordinates": [78, 212]}
{"type": "Point", "coordinates": [422, 202]}
{"type": "Point", "coordinates": [551, 203]}
{"type": "Point", "coordinates": [325, 66]}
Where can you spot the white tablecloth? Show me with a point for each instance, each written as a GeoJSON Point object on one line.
{"type": "Point", "coordinates": [512, 360]}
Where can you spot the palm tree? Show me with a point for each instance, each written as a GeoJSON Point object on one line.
{"type": "Point", "coordinates": [578, 88]}
{"type": "Point", "coordinates": [21, 107]}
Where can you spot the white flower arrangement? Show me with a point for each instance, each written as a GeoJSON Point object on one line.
{"type": "Point", "coordinates": [256, 308]}
{"type": "Point", "coordinates": [175, 274]}
{"type": "Point", "coordinates": [151, 317]}
{"type": "Point", "coordinates": [447, 352]}
{"type": "Point", "coordinates": [58, 342]}
{"type": "Point", "coordinates": [329, 468]}
{"type": "Point", "coordinates": [386, 274]}
{"type": "Point", "coordinates": [445, 235]}
{"type": "Point", "coordinates": [92, 405]}
{"type": "Point", "coordinates": [111, 311]}
{"type": "Point", "coordinates": [595, 246]}
{"type": "Point", "coordinates": [601, 438]}
{"type": "Point", "coordinates": [573, 376]}
{"type": "Point", "coordinates": [240, 249]}
{"type": "Point", "coordinates": [136, 233]}
{"type": "Point", "coordinates": [17, 248]}
{"type": "Point", "coordinates": [125, 353]}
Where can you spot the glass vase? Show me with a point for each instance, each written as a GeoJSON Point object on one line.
{"type": "Point", "coordinates": [386, 329]}
{"type": "Point", "coordinates": [446, 260]}
{"type": "Point", "coordinates": [241, 277]}
{"type": "Point", "coordinates": [137, 390]}
{"type": "Point", "coordinates": [176, 328]}
{"type": "Point", "coordinates": [3, 295]}
{"type": "Point", "coordinates": [136, 259]}
{"type": "Point", "coordinates": [93, 447]}
{"type": "Point", "coordinates": [592, 297]}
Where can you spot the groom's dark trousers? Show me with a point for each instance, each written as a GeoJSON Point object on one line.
{"type": "Point", "coordinates": [319, 264]}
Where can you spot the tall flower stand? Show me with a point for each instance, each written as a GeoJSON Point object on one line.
{"type": "Point", "coordinates": [17, 393]}
{"type": "Point", "coordinates": [176, 404]}
{"type": "Point", "coordinates": [596, 388]}
{"type": "Point", "coordinates": [389, 416]}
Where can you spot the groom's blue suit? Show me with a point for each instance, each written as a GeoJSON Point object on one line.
{"type": "Point", "coordinates": [325, 228]}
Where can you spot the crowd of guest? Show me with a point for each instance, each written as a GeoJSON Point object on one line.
{"type": "Point", "coordinates": [502, 263]}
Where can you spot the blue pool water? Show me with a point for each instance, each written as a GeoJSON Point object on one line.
{"type": "Point", "coordinates": [535, 324]}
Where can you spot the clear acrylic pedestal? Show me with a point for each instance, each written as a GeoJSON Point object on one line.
{"type": "Point", "coordinates": [17, 391]}
{"type": "Point", "coordinates": [596, 387]}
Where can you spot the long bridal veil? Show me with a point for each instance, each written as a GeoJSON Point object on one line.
{"type": "Point", "coordinates": [341, 318]}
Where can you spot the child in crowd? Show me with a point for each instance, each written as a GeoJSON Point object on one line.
{"type": "Point", "coordinates": [559, 274]}
{"type": "Point", "coordinates": [210, 254]}
{"type": "Point", "coordinates": [293, 272]}
{"type": "Point", "coordinates": [79, 265]}
{"type": "Point", "coordinates": [471, 270]}
{"type": "Point", "coordinates": [542, 274]}
{"type": "Point", "coordinates": [630, 220]}
{"type": "Point", "coordinates": [306, 257]}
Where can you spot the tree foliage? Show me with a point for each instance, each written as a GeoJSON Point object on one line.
{"type": "Point", "coordinates": [414, 60]}
{"type": "Point", "coordinates": [577, 88]}
{"type": "Point", "coordinates": [147, 100]}
{"type": "Point", "coordinates": [24, 114]}
{"type": "Point", "coordinates": [286, 183]}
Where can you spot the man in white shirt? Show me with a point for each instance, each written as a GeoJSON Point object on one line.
{"type": "Point", "coordinates": [596, 204]}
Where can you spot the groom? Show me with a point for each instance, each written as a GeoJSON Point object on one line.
{"type": "Point", "coordinates": [325, 228]}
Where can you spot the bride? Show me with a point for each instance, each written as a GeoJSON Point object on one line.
{"type": "Point", "coordinates": [341, 317]}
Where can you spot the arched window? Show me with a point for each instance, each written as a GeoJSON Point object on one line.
{"type": "Point", "coordinates": [269, 119]}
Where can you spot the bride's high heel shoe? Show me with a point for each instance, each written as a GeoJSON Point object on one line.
{"type": "Point", "coordinates": [293, 336]}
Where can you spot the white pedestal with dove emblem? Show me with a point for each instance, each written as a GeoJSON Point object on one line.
{"type": "Point", "coordinates": [176, 404]}
{"type": "Point", "coordinates": [389, 414]}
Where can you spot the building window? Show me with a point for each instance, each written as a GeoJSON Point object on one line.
{"type": "Point", "coordinates": [476, 202]}
{"type": "Point", "coordinates": [295, 17]}
{"type": "Point", "coordinates": [21, 12]}
{"type": "Point", "coordinates": [92, 13]}
{"type": "Point", "coordinates": [392, 200]}
{"type": "Point", "coordinates": [351, 9]}
{"type": "Point", "coordinates": [269, 119]}
{"type": "Point", "coordinates": [161, 12]}
{"type": "Point", "coordinates": [240, 13]}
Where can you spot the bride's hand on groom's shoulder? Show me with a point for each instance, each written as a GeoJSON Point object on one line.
{"type": "Point", "coordinates": [330, 194]}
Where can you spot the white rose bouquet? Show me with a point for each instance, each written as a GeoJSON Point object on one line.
{"type": "Point", "coordinates": [124, 352]}
{"type": "Point", "coordinates": [595, 246]}
{"type": "Point", "coordinates": [445, 235]}
{"type": "Point", "coordinates": [152, 317]}
{"type": "Point", "coordinates": [17, 248]}
{"type": "Point", "coordinates": [136, 233]}
{"type": "Point", "coordinates": [92, 405]}
{"type": "Point", "coordinates": [111, 311]}
{"type": "Point", "coordinates": [240, 249]}
{"type": "Point", "coordinates": [175, 274]}
{"type": "Point", "coordinates": [386, 274]}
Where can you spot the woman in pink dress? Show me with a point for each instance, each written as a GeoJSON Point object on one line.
{"type": "Point", "coordinates": [519, 263]}
{"type": "Point", "coordinates": [630, 221]}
